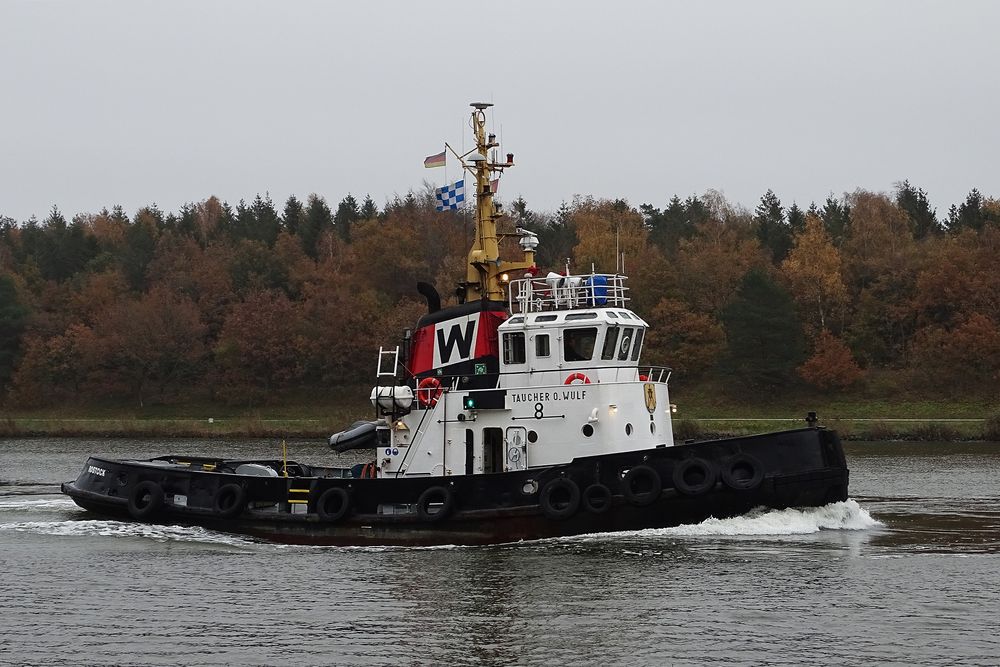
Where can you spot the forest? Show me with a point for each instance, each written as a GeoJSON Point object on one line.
{"type": "Point", "coordinates": [258, 303]}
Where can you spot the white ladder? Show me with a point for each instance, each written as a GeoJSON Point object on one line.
{"type": "Point", "coordinates": [382, 354]}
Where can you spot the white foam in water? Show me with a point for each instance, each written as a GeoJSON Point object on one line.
{"type": "Point", "coordinates": [124, 529]}
{"type": "Point", "coordinates": [20, 504]}
{"type": "Point", "coordinates": [846, 515]}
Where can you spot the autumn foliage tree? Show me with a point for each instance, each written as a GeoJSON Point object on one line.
{"type": "Point", "coordinates": [250, 303]}
{"type": "Point", "coordinates": [831, 365]}
{"type": "Point", "coordinates": [261, 347]}
{"type": "Point", "coordinates": [154, 341]}
{"type": "Point", "coordinates": [961, 358]}
{"type": "Point", "coordinates": [689, 342]}
{"type": "Point", "coordinates": [812, 272]}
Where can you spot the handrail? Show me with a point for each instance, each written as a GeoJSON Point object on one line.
{"type": "Point", "coordinates": [557, 292]}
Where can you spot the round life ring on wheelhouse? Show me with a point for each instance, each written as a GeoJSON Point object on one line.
{"type": "Point", "coordinates": [429, 391]}
{"type": "Point", "coordinates": [577, 376]}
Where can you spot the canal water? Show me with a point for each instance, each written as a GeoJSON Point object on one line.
{"type": "Point", "coordinates": [905, 572]}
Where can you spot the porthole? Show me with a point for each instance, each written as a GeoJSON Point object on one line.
{"type": "Point", "coordinates": [532, 436]}
{"type": "Point", "coordinates": [652, 428]}
{"type": "Point", "coordinates": [628, 429]}
{"type": "Point", "coordinates": [588, 430]}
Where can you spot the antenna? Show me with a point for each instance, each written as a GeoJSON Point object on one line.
{"type": "Point", "coordinates": [617, 251]}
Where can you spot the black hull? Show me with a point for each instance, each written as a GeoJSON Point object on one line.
{"type": "Point", "coordinates": [799, 468]}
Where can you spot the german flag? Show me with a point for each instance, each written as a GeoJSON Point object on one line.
{"type": "Point", "coordinates": [432, 161]}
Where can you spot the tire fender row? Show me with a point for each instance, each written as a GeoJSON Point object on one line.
{"type": "Point", "coordinates": [643, 484]}
{"type": "Point", "coordinates": [147, 498]}
{"type": "Point", "coordinates": [560, 498]}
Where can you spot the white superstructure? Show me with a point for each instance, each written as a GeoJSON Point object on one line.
{"type": "Point", "coordinates": [569, 385]}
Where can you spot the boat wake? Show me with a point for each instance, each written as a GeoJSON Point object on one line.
{"type": "Point", "coordinates": [101, 528]}
{"type": "Point", "coordinates": [846, 515]}
{"type": "Point", "coordinates": [21, 504]}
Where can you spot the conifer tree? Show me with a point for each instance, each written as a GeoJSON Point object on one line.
{"type": "Point", "coordinates": [765, 339]}
{"type": "Point", "coordinates": [773, 231]}
{"type": "Point", "coordinates": [347, 214]}
{"type": "Point", "coordinates": [369, 211]}
{"type": "Point", "coordinates": [678, 221]}
{"type": "Point", "coordinates": [968, 214]}
{"type": "Point", "coordinates": [796, 219]}
{"type": "Point", "coordinates": [923, 219]}
{"type": "Point", "coordinates": [12, 321]}
{"type": "Point", "coordinates": [318, 219]}
{"type": "Point", "coordinates": [293, 215]}
{"type": "Point", "coordinates": [836, 218]}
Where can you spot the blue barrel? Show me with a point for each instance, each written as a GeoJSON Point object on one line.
{"type": "Point", "coordinates": [597, 290]}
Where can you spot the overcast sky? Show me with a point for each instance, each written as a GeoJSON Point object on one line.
{"type": "Point", "coordinates": [169, 102]}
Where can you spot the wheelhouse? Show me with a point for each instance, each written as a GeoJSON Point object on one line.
{"type": "Point", "coordinates": [569, 327]}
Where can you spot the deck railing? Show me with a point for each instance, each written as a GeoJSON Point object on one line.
{"type": "Point", "coordinates": [556, 292]}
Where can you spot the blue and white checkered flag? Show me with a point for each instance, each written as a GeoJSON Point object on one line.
{"type": "Point", "coordinates": [450, 196]}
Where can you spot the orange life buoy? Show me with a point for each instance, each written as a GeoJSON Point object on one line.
{"type": "Point", "coordinates": [429, 391]}
{"type": "Point", "coordinates": [577, 376]}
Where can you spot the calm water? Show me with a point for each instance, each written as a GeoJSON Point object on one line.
{"type": "Point", "coordinates": [906, 572]}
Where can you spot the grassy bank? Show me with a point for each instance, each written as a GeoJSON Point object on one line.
{"type": "Point", "coordinates": [699, 415]}
{"type": "Point", "coordinates": [291, 417]}
{"type": "Point", "coordinates": [707, 411]}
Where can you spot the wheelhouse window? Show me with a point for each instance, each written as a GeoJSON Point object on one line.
{"type": "Point", "coordinates": [542, 345]}
{"type": "Point", "coordinates": [626, 343]}
{"type": "Point", "coordinates": [578, 344]}
{"type": "Point", "coordinates": [513, 348]}
{"type": "Point", "coordinates": [637, 345]}
{"type": "Point", "coordinates": [610, 343]}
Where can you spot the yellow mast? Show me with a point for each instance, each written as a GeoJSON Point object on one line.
{"type": "Point", "coordinates": [485, 276]}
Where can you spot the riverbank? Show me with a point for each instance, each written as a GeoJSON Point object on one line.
{"type": "Point", "coordinates": [697, 417]}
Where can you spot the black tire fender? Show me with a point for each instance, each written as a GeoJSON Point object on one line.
{"type": "Point", "coordinates": [333, 504]}
{"type": "Point", "coordinates": [435, 494]}
{"type": "Point", "coordinates": [552, 507]}
{"type": "Point", "coordinates": [145, 500]}
{"type": "Point", "coordinates": [742, 472]}
{"type": "Point", "coordinates": [596, 498]}
{"type": "Point", "coordinates": [229, 501]}
{"type": "Point", "coordinates": [642, 475]}
{"type": "Point", "coordinates": [694, 476]}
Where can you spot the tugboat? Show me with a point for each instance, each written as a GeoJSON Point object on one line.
{"type": "Point", "coordinates": [521, 413]}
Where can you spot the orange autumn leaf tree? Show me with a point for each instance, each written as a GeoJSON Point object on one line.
{"type": "Point", "coordinates": [831, 365]}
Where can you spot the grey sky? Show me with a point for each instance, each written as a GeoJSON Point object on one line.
{"type": "Point", "coordinates": [168, 102]}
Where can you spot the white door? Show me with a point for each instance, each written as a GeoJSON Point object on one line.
{"type": "Point", "coordinates": [517, 448]}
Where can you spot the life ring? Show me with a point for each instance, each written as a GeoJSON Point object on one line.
{"type": "Point", "coordinates": [560, 498]}
{"type": "Point", "coordinates": [441, 496]}
{"type": "Point", "coordinates": [643, 377]}
{"type": "Point", "coordinates": [333, 504]}
{"type": "Point", "coordinates": [230, 501]}
{"type": "Point", "coordinates": [641, 485]}
{"type": "Point", "coordinates": [743, 473]}
{"type": "Point", "coordinates": [596, 498]}
{"type": "Point", "coordinates": [694, 476]}
{"type": "Point", "coordinates": [577, 376]}
{"type": "Point", "coordinates": [429, 391]}
{"type": "Point", "coordinates": [145, 500]}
